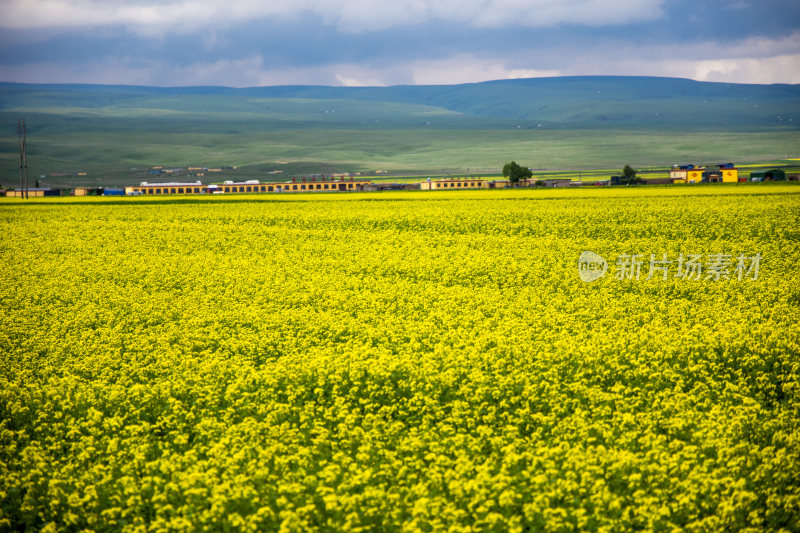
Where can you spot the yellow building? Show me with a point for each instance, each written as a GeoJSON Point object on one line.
{"type": "Point", "coordinates": [34, 192]}
{"type": "Point", "coordinates": [21, 194]}
{"type": "Point", "coordinates": [88, 191]}
{"type": "Point", "coordinates": [695, 176]}
{"type": "Point", "coordinates": [323, 185]}
{"type": "Point", "coordinates": [729, 174]}
{"type": "Point", "coordinates": [153, 189]}
{"type": "Point", "coordinates": [454, 184]}
{"type": "Point", "coordinates": [249, 186]}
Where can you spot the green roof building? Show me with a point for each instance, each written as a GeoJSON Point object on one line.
{"type": "Point", "coordinates": [774, 174]}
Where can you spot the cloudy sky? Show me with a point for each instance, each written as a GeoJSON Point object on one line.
{"type": "Point", "coordinates": [243, 43]}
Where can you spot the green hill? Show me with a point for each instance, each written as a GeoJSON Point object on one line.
{"type": "Point", "coordinates": [586, 102]}
{"type": "Point", "coordinates": [593, 102]}
{"type": "Point", "coordinates": [570, 122]}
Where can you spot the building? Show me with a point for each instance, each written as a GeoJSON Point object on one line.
{"type": "Point", "coordinates": [153, 189]}
{"type": "Point", "coordinates": [557, 182]}
{"type": "Point", "coordinates": [249, 186]}
{"type": "Point", "coordinates": [725, 173]}
{"type": "Point", "coordinates": [322, 185]}
{"type": "Point", "coordinates": [35, 192]}
{"type": "Point", "coordinates": [455, 183]}
{"type": "Point", "coordinates": [87, 191]}
{"type": "Point", "coordinates": [774, 174]}
{"type": "Point", "coordinates": [728, 173]}
{"type": "Point", "coordinates": [687, 174]}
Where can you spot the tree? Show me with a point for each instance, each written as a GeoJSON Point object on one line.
{"type": "Point", "coordinates": [515, 172]}
{"type": "Point", "coordinates": [630, 175]}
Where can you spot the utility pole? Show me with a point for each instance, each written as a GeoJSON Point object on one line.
{"type": "Point", "coordinates": [23, 158]}
{"type": "Point", "coordinates": [21, 175]}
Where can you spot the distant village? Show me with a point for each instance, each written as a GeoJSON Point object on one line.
{"type": "Point", "coordinates": [347, 182]}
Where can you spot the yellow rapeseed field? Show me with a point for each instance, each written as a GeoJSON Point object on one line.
{"type": "Point", "coordinates": [402, 362]}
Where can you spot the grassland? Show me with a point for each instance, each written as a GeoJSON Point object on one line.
{"type": "Point", "coordinates": [548, 124]}
{"type": "Point", "coordinates": [399, 362]}
{"type": "Point", "coordinates": [109, 158]}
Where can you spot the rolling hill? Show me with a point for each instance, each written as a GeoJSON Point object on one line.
{"type": "Point", "coordinates": [107, 130]}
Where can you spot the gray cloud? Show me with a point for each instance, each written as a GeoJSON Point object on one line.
{"type": "Point", "coordinates": [341, 42]}
{"type": "Point", "coordinates": [150, 17]}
